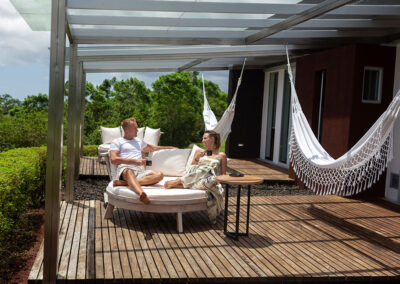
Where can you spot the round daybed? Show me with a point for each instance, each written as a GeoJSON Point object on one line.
{"type": "Point", "coordinates": [172, 163]}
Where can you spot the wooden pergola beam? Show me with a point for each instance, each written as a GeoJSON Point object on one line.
{"type": "Point", "coordinates": [294, 20]}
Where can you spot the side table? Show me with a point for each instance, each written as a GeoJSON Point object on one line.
{"type": "Point", "coordinates": [240, 181]}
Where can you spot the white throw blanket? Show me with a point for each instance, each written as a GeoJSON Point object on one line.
{"type": "Point", "coordinates": [354, 171]}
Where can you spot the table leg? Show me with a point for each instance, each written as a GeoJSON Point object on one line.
{"type": "Point", "coordinates": [226, 208]}
{"type": "Point", "coordinates": [237, 210]}
{"type": "Point", "coordinates": [248, 210]}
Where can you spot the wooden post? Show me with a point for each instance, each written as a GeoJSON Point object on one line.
{"type": "Point", "coordinates": [54, 140]}
{"type": "Point", "coordinates": [72, 102]}
{"type": "Point", "coordinates": [77, 114]}
{"type": "Point", "coordinates": [82, 121]}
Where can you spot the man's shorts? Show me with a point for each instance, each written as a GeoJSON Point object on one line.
{"type": "Point", "coordinates": [139, 172]}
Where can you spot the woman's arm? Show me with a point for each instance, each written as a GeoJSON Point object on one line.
{"type": "Point", "coordinates": [199, 153]}
{"type": "Point", "coordinates": [224, 163]}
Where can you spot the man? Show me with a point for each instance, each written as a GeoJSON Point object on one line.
{"type": "Point", "coordinates": [126, 152]}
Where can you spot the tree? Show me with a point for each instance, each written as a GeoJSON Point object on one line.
{"type": "Point", "coordinates": [176, 108]}
{"type": "Point", "coordinates": [35, 103]}
{"type": "Point", "coordinates": [132, 99]}
{"type": "Point", "coordinates": [8, 105]}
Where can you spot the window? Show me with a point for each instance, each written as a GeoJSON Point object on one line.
{"type": "Point", "coordinates": [394, 180]}
{"type": "Point", "coordinates": [372, 86]}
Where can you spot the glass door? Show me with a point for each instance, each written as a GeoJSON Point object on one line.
{"type": "Point", "coordinates": [271, 113]}
{"type": "Point", "coordinates": [276, 122]}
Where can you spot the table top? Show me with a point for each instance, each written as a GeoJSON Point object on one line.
{"type": "Point", "coordinates": [246, 179]}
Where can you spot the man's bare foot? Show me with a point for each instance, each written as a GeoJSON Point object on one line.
{"type": "Point", "coordinates": [143, 198]}
{"type": "Point", "coordinates": [118, 182]}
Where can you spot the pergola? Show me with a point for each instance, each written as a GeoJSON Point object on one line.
{"type": "Point", "coordinates": [177, 35]}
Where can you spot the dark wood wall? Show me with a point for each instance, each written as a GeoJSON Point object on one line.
{"type": "Point", "coordinates": [345, 117]}
{"type": "Point", "coordinates": [246, 125]}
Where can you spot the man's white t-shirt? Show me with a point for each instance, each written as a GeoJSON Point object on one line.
{"type": "Point", "coordinates": [129, 149]}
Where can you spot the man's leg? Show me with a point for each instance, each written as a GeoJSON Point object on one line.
{"type": "Point", "coordinates": [150, 179]}
{"type": "Point", "coordinates": [129, 176]}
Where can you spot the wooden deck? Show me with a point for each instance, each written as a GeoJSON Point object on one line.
{"type": "Point", "coordinates": [90, 166]}
{"type": "Point", "coordinates": [268, 172]}
{"type": "Point", "coordinates": [292, 238]}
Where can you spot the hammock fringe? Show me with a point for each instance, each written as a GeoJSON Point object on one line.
{"type": "Point", "coordinates": [353, 172]}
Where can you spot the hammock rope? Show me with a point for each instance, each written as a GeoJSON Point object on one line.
{"type": "Point", "coordinates": [223, 126]}
{"type": "Point", "coordinates": [353, 172]}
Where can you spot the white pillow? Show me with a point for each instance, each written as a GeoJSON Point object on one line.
{"type": "Point", "coordinates": [191, 157]}
{"type": "Point", "coordinates": [109, 134]}
{"type": "Point", "coordinates": [171, 162]}
{"type": "Point", "coordinates": [152, 136]}
{"type": "Point", "coordinates": [140, 133]}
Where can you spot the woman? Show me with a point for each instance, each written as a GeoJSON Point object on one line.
{"type": "Point", "coordinates": [203, 171]}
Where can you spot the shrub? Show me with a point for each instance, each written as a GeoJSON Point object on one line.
{"type": "Point", "coordinates": [90, 150]}
{"type": "Point", "coordinates": [23, 130]}
{"type": "Point", "coordinates": [22, 179]}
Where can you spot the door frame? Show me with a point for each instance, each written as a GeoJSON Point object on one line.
{"type": "Point", "coordinates": [278, 114]}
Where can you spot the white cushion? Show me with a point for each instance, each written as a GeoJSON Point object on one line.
{"type": "Point", "coordinates": [109, 134]}
{"type": "Point", "coordinates": [157, 192]}
{"type": "Point", "coordinates": [171, 162]}
{"type": "Point", "coordinates": [152, 136]}
{"type": "Point", "coordinates": [103, 149]}
{"type": "Point", "coordinates": [140, 133]}
{"type": "Point", "coordinates": [191, 156]}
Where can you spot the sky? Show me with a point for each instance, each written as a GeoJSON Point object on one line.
{"type": "Point", "coordinates": [24, 60]}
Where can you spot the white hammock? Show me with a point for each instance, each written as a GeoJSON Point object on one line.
{"type": "Point", "coordinates": [354, 171]}
{"type": "Point", "coordinates": [223, 126]}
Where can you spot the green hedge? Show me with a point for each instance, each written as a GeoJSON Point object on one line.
{"type": "Point", "coordinates": [90, 150]}
{"type": "Point", "coordinates": [22, 180]}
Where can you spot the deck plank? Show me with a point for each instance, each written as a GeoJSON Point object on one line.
{"type": "Point", "coordinates": [218, 267]}
{"type": "Point", "coordinates": [82, 251]}
{"type": "Point", "coordinates": [107, 255]}
{"type": "Point", "coordinates": [90, 272]}
{"type": "Point", "coordinates": [170, 236]}
{"type": "Point", "coordinates": [115, 255]}
{"type": "Point", "coordinates": [160, 258]}
{"type": "Point", "coordinates": [152, 264]}
{"type": "Point", "coordinates": [126, 268]}
{"type": "Point", "coordinates": [75, 246]}
{"type": "Point", "coordinates": [164, 245]}
{"type": "Point", "coordinates": [98, 258]}
{"type": "Point", "coordinates": [290, 238]}
{"type": "Point", "coordinates": [131, 250]}
{"type": "Point", "coordinates": [194, 254]}
{"type": "Point", "coordinates": [66, 247]}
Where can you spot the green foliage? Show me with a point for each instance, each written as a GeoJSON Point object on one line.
{"type": "Point", "coordinates": [8, 104]}
{"type": "Point", "coordinates": [90, 150]}
{"type": "Point", "coordinates": [175, 105]}
{"type": "Point", "coordinates": [22, 179]}
{"type": "Point", "coordinates": [23, 130]}
{"type": "Point", "coordinates": [36, 103]}
{"type": "Point", "coordinates": [176, 109]}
